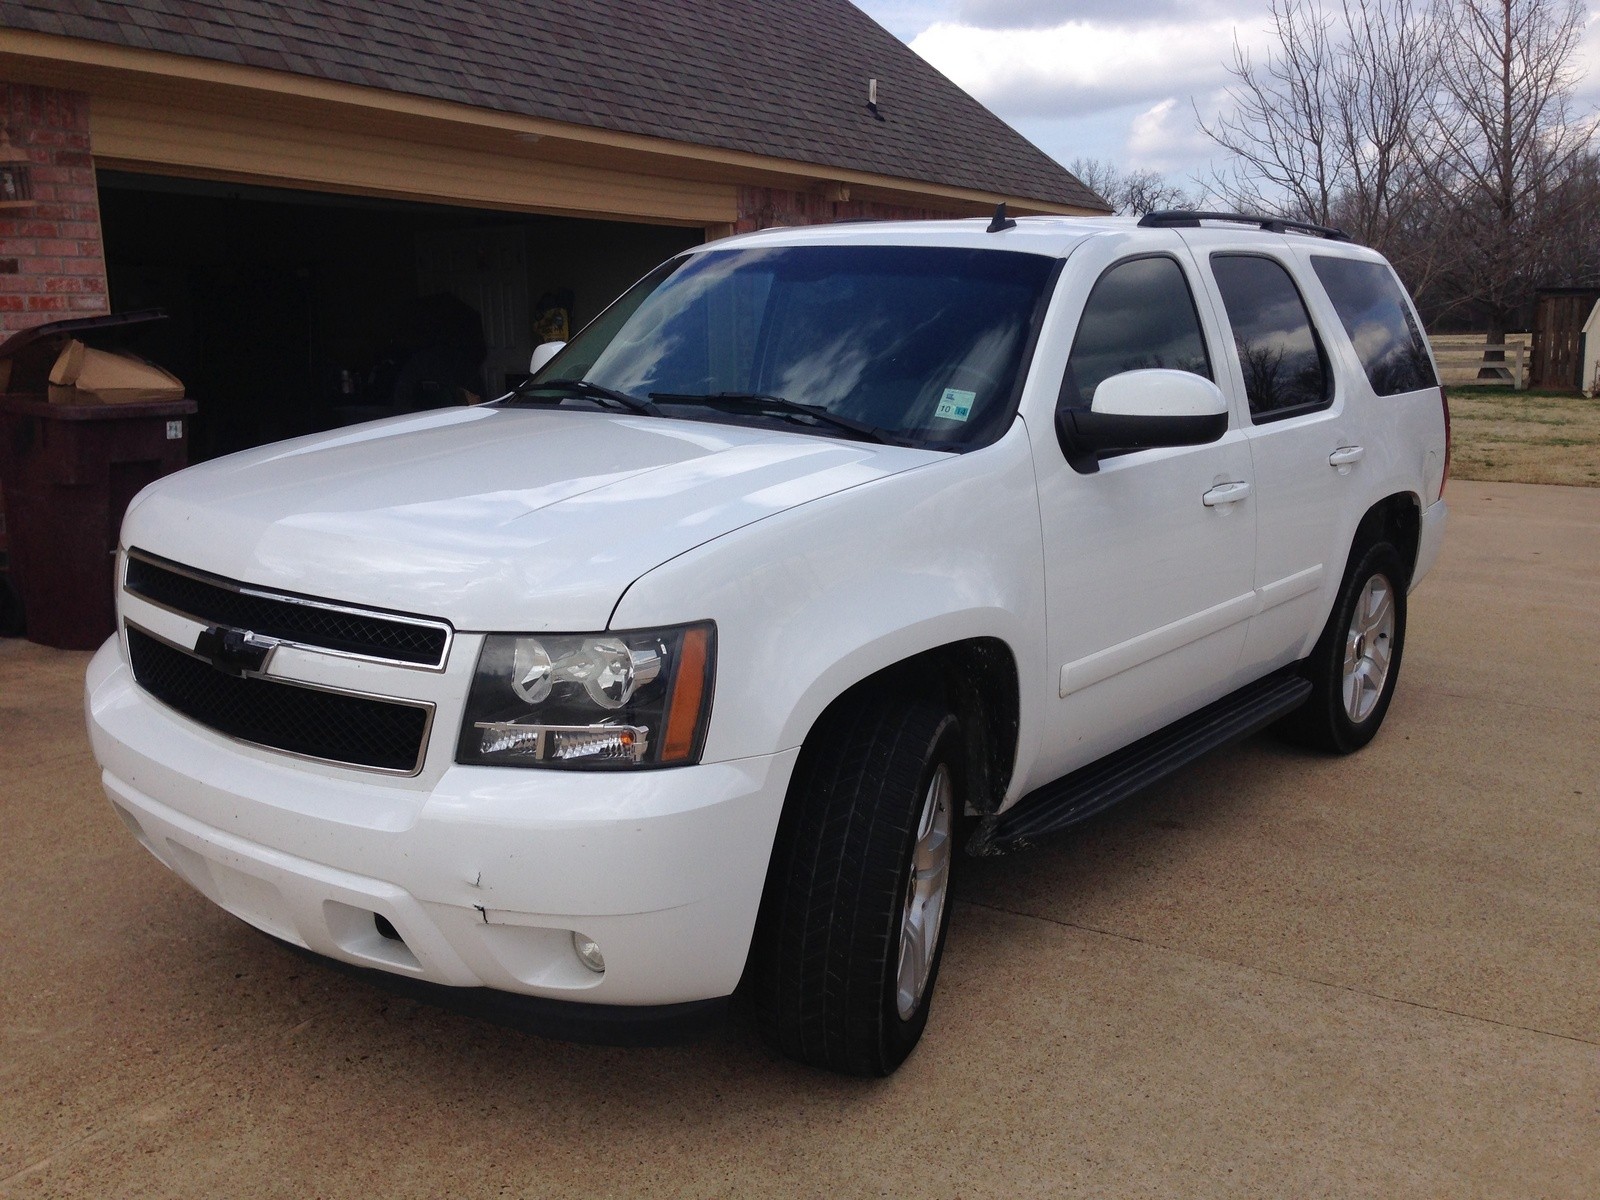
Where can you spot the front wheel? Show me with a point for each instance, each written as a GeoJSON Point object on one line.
{"type": "Point", "coordinates": [853, 923]}
{"type": "Point", "coordinates": [1356, 661]}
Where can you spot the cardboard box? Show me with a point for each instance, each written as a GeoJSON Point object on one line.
{"type": "Point", "coordinates": [82, 375]}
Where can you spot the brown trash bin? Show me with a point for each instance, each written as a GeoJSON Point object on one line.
{"type": "Point", "coordinates": [68, 471]}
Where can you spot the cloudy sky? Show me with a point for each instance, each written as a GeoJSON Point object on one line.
{"type": "Point", "coordinates": [1117, 80]}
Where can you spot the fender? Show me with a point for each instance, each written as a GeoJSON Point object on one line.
{"type": "Point", "coordinates": [815, 599]}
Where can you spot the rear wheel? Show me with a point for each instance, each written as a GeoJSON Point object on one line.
{"type": "Point", "coordinates": [853, 923]}
{"type": "Point", "coordinates": [1356, 661]}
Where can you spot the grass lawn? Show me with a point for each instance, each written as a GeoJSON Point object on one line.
{"type": "Point", "coordinates": [1524, 437]}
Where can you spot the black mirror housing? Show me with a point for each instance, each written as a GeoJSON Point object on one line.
{"type": "Point", "coordinates": [1085, 435]}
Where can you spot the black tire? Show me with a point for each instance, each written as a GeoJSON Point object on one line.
{"type": "Point", "coordinates": [827, 955]}
{"type": "Point", "coordinates": [1325, 721]}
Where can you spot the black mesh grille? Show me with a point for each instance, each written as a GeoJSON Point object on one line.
{"type": "Point", "coordinates": [219, 604]}
{"type": "Point", "coordinates": [349, 729]}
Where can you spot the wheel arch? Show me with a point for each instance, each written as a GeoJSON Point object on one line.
{"type": "Point", "coordinates": [1397, 519]}
{"type": "Point", "coordinates": [977, 678]}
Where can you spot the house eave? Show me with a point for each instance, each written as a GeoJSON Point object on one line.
{"type": "Point", "coordinates": [261, 108]}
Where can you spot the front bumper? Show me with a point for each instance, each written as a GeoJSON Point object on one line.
{"type": "Point", "coordinates": [483, 873]}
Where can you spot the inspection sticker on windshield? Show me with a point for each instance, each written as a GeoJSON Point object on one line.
{"type": "Point", "coordinates": [955, 405]}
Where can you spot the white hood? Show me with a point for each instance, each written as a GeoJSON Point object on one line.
{"type": "Point", "coordinates": [492, 518]}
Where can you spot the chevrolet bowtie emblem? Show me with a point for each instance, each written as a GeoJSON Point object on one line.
{"type": "Point", "coordinates": [239, 652]}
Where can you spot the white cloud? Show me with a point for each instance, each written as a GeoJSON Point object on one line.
{"type": "Point", "coordinates": [1079, 68]}
{"type": "Point", "coordinates": [904, 18]}
{"type": "Point", "coordinates": [1587, 92]}
{"type": "Point", "coordinates": [1165, 138]}
{"type": "Point", "coordinates": [1047, 14]}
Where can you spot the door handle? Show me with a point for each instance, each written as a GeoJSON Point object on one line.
{"type": "Point", "coordinates": [1226, 493]}
{"type": "Point", "coordinates": [1345, 455]}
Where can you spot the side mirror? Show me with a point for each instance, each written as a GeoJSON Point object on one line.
{"type": "Point", "coordinates": [1138, 410]}
{"type": "Point", "coordinates": [543, 353]}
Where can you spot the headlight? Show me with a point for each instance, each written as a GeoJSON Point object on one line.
{"type": "Point", "coordinates": [602, 700]}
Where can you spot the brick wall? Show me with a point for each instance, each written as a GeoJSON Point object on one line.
{"type": "Point", "coordinates": [763, 208]}
{"type": "Point", "coordinates": [52, 260]}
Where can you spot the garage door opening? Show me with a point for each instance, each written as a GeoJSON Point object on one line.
{"type": "Point", "coordinates": [293, 312]}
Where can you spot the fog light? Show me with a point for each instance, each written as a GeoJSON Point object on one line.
{"type": "Point", "coordinates": [566, 743]}
{"type": "Point", "coordinates": [588, 951]}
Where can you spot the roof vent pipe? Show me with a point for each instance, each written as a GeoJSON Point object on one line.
{"type": "Point", "coordinates": [872, 98]}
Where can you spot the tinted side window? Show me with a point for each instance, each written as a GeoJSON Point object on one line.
{"type": "Point", "coordinates": [1284, 366]}
{"type": "Point", "coordinates": [1140, 314]}
{"type": "Point", "coordinates": [1374, 313]}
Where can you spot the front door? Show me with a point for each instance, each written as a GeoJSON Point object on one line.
{"type": "Point", "coordinates": [1149, 561]}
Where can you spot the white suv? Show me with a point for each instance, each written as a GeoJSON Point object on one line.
{"type": "Point", "coordinates": [686, 665]}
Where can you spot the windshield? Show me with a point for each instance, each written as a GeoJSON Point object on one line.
{"type": "Point", "coordinates": [922, 344]}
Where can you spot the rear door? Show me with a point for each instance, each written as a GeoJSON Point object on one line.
{"type": "Point", "coordinates": [1306, 457]}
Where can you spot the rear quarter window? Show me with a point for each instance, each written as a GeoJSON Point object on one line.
{"type": "Point", "coordinates": [1374, 313]}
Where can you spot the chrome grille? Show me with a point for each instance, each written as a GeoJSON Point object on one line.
{"type": "Point", "coordinates": [300, 620]}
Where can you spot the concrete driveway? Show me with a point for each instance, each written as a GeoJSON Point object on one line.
{"type": "Point", "coordinates": [1277, 975]}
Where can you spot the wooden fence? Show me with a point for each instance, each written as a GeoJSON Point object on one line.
{"type": "Point", "coordinates": [1460, 355]}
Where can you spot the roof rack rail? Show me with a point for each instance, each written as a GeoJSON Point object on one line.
{"type": "Point", "coordinates": [1183, 218]}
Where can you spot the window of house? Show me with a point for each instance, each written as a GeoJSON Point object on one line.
{"type": "Point", "coordinates": [1140, 314]}
{"type": "Point", "coordinates": [1383, 331]}
{"type": "Point", "coordinates": [1285, 368]}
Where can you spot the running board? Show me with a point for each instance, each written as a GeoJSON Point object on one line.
{"type": "Point", "coordinates": [1118, 775]}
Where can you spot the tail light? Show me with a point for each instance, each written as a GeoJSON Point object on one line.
{"type": "Point", "coordinates": [1444, 402]}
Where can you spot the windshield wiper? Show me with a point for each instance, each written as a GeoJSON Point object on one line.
{"type": "Point", "coordinates": [585, 389]}
{"type": "Point", "coordinates": [758, 401]}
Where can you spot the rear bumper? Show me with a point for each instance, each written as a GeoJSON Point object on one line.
{"type": "Point", "coordinates": [484, 873]}
{"type": "Point", "coordinates": [1430, 538]}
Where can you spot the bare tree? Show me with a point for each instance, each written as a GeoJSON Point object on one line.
{"type": "Point", "coordinates": [1384, 83]}
{"type": "Point", "coordinates": [1508, 154]}
{"type": "Point", "coordinates": [1443, 136]}
{"type": "Point", "coordinates": [1579, 246]}
{"type": "Point", "coordinates": [1285, 159]}
{"type": "Point", "coordinates": [1326, 126]}
{"type": "Point", "coordinates": [1133, 192]}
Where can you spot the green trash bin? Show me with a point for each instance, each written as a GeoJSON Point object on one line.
{"type": "Point", "coordinates": [68, 472]}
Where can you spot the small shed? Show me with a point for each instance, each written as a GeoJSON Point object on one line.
{"type": "Point", "coordinates": [1590, 354]}
{"type": "Point", "coordinates": [1558, 324]}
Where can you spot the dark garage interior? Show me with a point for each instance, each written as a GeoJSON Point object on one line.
{"type": "Point", "coordinates": [292, 312]}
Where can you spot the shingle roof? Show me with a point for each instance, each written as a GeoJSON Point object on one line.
{"type": "Point", "coordinates": [781, 78]}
